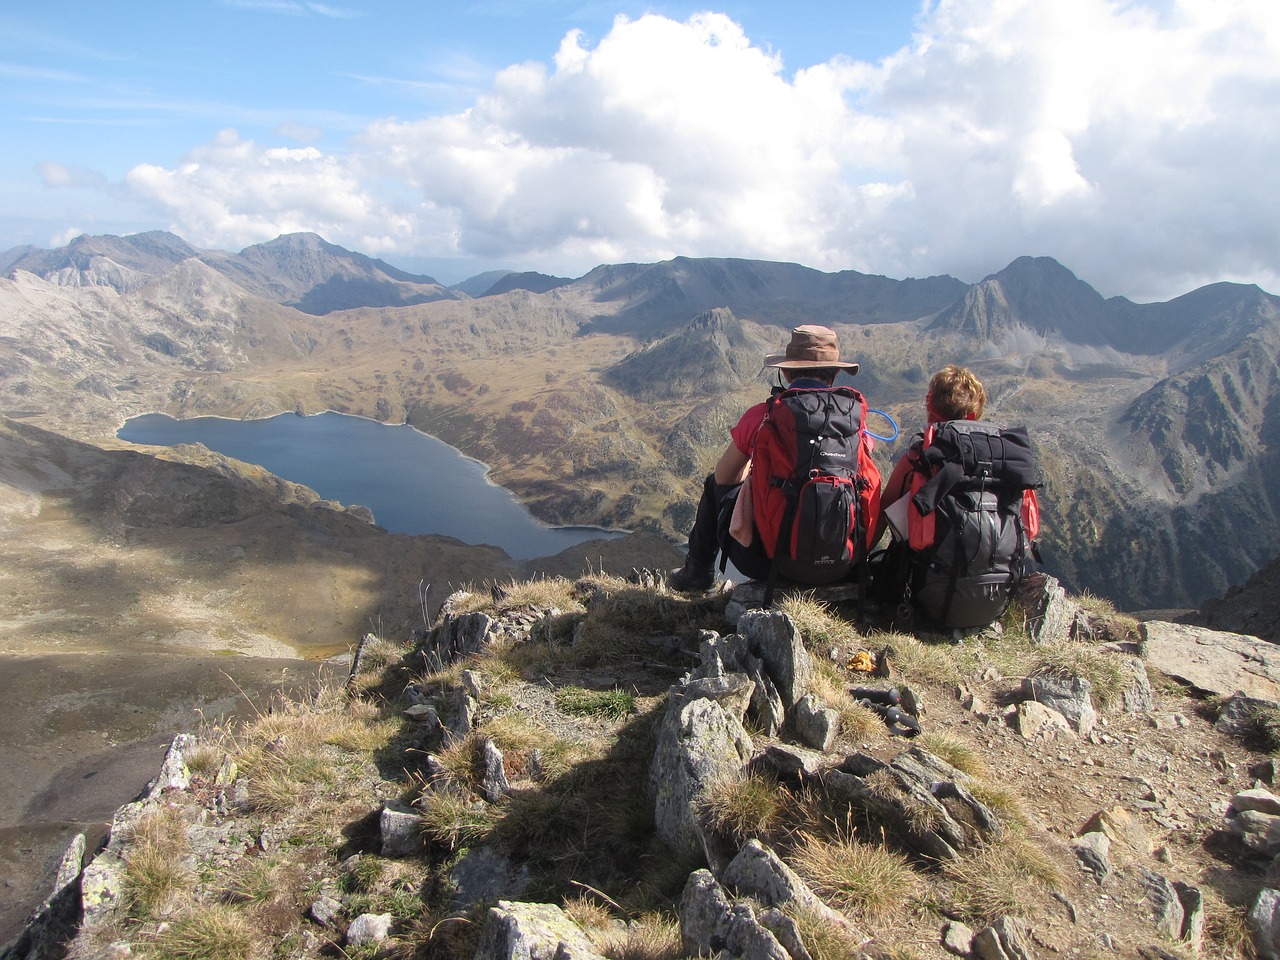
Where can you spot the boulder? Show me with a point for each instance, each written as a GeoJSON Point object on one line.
{"type": "Point", "coordinates": [369, 928]}
{"type": "Point", "coordinates": [1213, 661]}
{"type": "Point", "coordinates": [482, 875]}
{"type": "Point", "coordinates": [815, 723]}
{"type": "Point", "coordinates": [774, 638]}
{"type": "Point", "coordinates": [1264, 922]}
{"type": "Point", "coordinates": [532, 931]}
{"type": "Point", "coordinates": [1006, 939]}
{"type": "Point", "coordinates": [713, 924]}
{"type": "Point", "coordinates": [400, 829]}
{"type": "Point", "coordinates": [697, 745]}
{"type": "Point", "coordinates": [1068, 696]}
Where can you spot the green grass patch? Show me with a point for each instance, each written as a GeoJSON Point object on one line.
{"type": "Point", "coordinates": [608, 704]}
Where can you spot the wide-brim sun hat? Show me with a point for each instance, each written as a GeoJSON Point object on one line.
{"type": "Point", "coordinates": [811, 347]}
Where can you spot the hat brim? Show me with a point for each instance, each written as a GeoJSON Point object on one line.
{"type": "Point", "coordinates": [780, 361]}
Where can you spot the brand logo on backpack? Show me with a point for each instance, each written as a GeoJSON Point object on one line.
{"type": "Point", "coordinates": [972, 520]}
{"type": "Point", "coordinates": [815, 489]}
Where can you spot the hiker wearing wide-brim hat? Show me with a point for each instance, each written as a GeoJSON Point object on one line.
{"type": "Point", "coordinates": [811, 348]}
{"type": "Point", "coordinates": [811, 360]}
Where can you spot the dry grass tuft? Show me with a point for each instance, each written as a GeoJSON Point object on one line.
{"type": "Point", "coordinates": [865, 879]}
{"type": "Point", "coordinates": [997, 880]}
{"type": "Point", "coordinates": [455, 821]}
{"type": "Point", "coordinates": [745, 809]}
{"type": "Point", "coordinates": [817, 624]}
{"type": "Point", "coordinates": [824, 939]}
{"type": "Point", "coordinates": [957, 751]}
{"type": "Point", "coordinates": [157, 877]}
{"type": "Point", "coordinates": [550, 593]}
{"type": "Point", "coordinates": [928, 662]}
{"type": "Point", "coordinates": [212, 932]}
{"type": "Point", "coordinates": [649, 937]}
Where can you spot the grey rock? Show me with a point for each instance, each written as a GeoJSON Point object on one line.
{"type": "Point", "coordinates": [712, 924]}
{"type": "Point", "coordinates": [1192, 900]}
{"type": "Point", "coordinates": [1003, 940]}
{"type": "Point", "coordinates": [759, 873]}
{"type": "Point", "coordinates": [1051, 615]}
{"type": "Point", "coordinates": [1093, 850]}
{"type": "Point", "coordinates": [1166, 906]}
{"type": "Point", "coordinates": [744, 936]}
{"type": "Point", "coordinates": [53, 923]}
{"type": "Point", "coordinates": [1262, 801]}
{"type": "Point", "coordinates": [924, 782]}
{"type": "Point", "coordinates": [400, 829]}
{"type": "Point", "coordinates": [957, 939]}
{"type": "Point", "coordinates": [733, 691]}
{"type": "Point", "coordinates": [493, 784]}
{"type": "Point", "coordinates": [174, 774]}
{"type": "Point", "coordinates": [1036, 721]}
{"type": "Point", "coordinates": [483, 874]}
{"type": "Point", "coordinates": [702, 905]}
{"type": "Point", "coordinates": [1264, 922]}
{"type": "Point", "coordinates": [697, 745]}
{"type": "Point", "coordinates": [472, 683]}
{"type": "Point", "coordinates": [786, 931]}
{"type": "Point", "coordinates": [815, 723]}
{"type": "Point", "coordinates": [532, 931]}
{"type": "Point", "coordinates": [793, 764]}
{"type": "Point", "coordinates": [369, 928]}
{"type": "Point", "coordinates": [1213, 661]}
{"type": "Point", "coordinates": [773, 637]}
{"type": "Point", "coordinates": [464, 635]}
{"type": "Point", "coordinates": [1136, 697]}
{"type": "Point", "coordinates": [423, 713]}
{"type": "Point", "coordinates": [326, 911]}
{"type": "Point", "coordinates": [1259, 831]}
{"type": "Point", "coordinates": [1069, 696]}
{"type": "Point", "coordinates": [1236, 716]}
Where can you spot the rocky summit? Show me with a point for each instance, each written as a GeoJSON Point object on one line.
{"type": "Point", "coordinates": [599, 768]}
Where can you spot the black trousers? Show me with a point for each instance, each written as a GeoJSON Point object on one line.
{"type": "Point", "coordinates": [710, 538]}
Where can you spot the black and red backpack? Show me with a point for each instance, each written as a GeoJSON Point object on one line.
{"type": "Point", "coordinates": [972, 520]}
{"type": "Point", "coordinates": [815, 489]}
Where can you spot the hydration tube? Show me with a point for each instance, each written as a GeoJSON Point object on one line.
{"type": "Point", "coordinates": [891, 423]}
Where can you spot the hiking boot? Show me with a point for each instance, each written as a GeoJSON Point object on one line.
{"type": "Point", "coordinates": [692, 576]}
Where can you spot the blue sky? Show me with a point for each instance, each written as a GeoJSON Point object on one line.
{"type": "Point", "coordinates": [1136, 142]}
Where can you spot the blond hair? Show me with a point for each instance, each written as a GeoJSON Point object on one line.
{"type": "Point", "coordinates": [956, 394]}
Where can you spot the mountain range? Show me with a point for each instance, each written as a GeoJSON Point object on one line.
{"type": "Point", "coordinates": [605, 398]}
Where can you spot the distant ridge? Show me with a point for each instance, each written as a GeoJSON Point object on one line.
{"type": "Point", "coordinates": [657, 295]}
{"type": "Point", "coordinates": [533, 282]}
{"type": "Point", "coordinates": [299, 270]}
{"type": "Point", "coordinates": [479, 285]}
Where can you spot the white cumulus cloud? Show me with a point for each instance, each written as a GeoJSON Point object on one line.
{"type": "Point", "coordinates": [1135, 142]}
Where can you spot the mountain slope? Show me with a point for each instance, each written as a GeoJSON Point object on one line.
{"type": "Point", "coordinates": [652, 299]}
{"type": "Point", "coordinates": [122, 263]}
{"type": "Point", "coordinates": [304, 271]}
{"type": "Point", "coordinates": [299, 270]}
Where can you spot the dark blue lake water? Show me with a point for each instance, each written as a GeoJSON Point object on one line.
{"type": "Point", "coordinates": [412, 482]}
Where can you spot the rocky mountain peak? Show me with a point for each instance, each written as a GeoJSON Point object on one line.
{"type": "Point", "coordinates": [1037, 294]}
{"type": "Point", "coordinates": [709, 355]}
